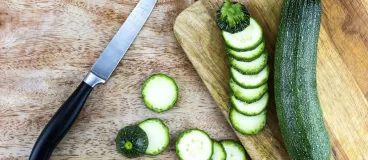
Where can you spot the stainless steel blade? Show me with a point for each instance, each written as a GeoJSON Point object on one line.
{"type": "Point", "coordinates": [116, 49]}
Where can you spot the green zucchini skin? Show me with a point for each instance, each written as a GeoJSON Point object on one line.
{"type": "Point", "coordinates": [298, 109]}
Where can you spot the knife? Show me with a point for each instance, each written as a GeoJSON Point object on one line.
{"type": "Point", "coordinates": [63, 119]}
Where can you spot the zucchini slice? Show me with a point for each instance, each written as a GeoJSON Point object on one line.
{"type": "Point", "coordinates": [194, 144]}
{"type": "Point", "coordinates": [250, 109]}
{"type": "Point", "coordinates": [234, 150]}
{"type": "Point", "coordinates": [247, 39]}
{"type": "Point", "coordinates": [249, 55]}
{"type": "Point", "coordinates": [248, 95]}
{"type": "Point", "coordinates": [250, 81]}
{"type": "Point", "coordinates": [158, 135]}
{"type": "Point", "coordinates": [247, 124]}
{"type": "Point", "coordinates": [218, 151]}
{"type": "Point", "coordinates": [252, 67]}
{"type": "Point", "coordinates": [159, 92]}
{"type": "Point", "coordinates": [131, 141]}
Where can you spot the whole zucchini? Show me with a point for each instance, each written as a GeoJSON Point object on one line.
{"type": "Point", "coordinates": [297, 103]}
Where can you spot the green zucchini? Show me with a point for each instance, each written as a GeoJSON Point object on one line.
{"type": "Point", "coordinates": [297, 103]}
{"type": "Point", "coordinates": [245, 40]}
{"type": "Point", "coordinates": [218, 151]}
{"type": "Point", "coordinates": [248, 95]}
{"type": "Point", "coordinates": [131, 141]}
{"type": "Point", "coordinates": [159, 92]}
{"type": "Point", "coordinates": [252, 67]}
{"type": "Point", "coordinates": [250, 81]}
{"type": "Point", "coordinates": [247, 124]}
{"type": "Point", "coordinates": [194, 144]}
{"type": "Point", "coordinates": [232, 17]}
{"type": "Point", "coordinates": [234, 150]}
{"type": "Point", "coordinates": [249, 55]}
{"type": "Point", "coordinates": [158, 135]}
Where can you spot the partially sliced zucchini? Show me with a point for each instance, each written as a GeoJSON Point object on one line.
{"type": "Point", "coordinates": [194, 144]}
{"type": "Point", "coordinates": [247, 124]}
{"type": "Point", "coordinates": [234, 150]}
{"type": "Point", "coordinates": [250, 109]}
{"type": "Point", "coordinates": [218, 151]}
{"type": "Point", "coordinates": [247, 39]}
{"type": "Point", "coordinates": [249, 55]}
{"type": "Point", "coordinates": [250, 81]}
{"type": "Point", "coordinates": [252, 67]}
{"type": "Point", "coordinates": [158, 135]}
{"type": "Point", "coordinates": [159, 92]}
{"type": "Point", "coordinates": [248, 95]}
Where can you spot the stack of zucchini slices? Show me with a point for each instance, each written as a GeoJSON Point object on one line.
{"type": "Point", "coordinates": [249, 67]}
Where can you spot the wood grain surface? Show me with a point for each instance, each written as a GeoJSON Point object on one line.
{"type": "Point", "coordinates": [341, 70]}
{"type": "Point", "coordinates": [47, 47]}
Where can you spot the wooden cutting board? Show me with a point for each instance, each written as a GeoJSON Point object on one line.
{"type": "Point", "coordinates": [341, 70]}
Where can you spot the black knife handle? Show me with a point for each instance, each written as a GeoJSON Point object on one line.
{"type": "Point", "coordinates": [60, 123]}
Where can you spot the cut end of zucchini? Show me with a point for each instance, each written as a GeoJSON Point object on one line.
{"type": "Point", "coordinates": [131, 141]}
{"type": "Point", "coordinates": [234, 150]}
{"type": "Point", "coordinates": [158, 135]}
{"type": "Point", "coordinates": [194, 144]}
{"type": "Point", "coordinates": [160, 92]}
{"type": "Point", "coordinates": [247, 124]}
{"type": "Point", "coordinates": [232, 17]}
{"type": "Point", "coordinates": [245, 40]}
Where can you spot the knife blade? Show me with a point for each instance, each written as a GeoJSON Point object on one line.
{"type": "Point", "coordinates": [100, 72]}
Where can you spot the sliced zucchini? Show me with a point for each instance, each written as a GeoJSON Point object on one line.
{"type": "Point", "coordinates": [234, 150]}
{"type": "Point", "coordinates": [250, 109]}
{"type": "Point", "coordinates": [218, 151]}
{"type": "Point", "coordinates": [252, 67]}
{"type": "Point", "coordinates": [250, 81]}
{"type": "Point", "coordinates": [194, 144]}
{"type": "Point", "coordinates": [158, 135]}
{"type": "Point", "coordinates": [247, 124]}
{"type": "Point", "coordinates": [248, 95]}
{"type": "Point", "coordinates": [247, 39]}
{"type": "Point", "coordinates": [159, 92]}
{"type": "Point", "coordinates": [249, 55]}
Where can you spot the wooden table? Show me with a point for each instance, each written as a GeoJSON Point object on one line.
{"type": "Point", "coordinates": [47, 47]}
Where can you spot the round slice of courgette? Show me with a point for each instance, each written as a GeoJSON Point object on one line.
{"type": "Point", "coordinates": [250, 81]}
{"type": "Point", "coordinates": [234, 150]}
{"type": "Point", "coordinates": [247, 124]}
{"type": "Point", "coordinates": [248, 55]}
{"type": "Point", "coordinates": [158, 135]}
{"type": "Point", "coordinates": [194, 144]}
{"type": "Point", "coordinates": [250, 109]}
{"type": "Point", "coordinates": [218, 151]}
{"type": "Point", "coordinates": [245, 40]}
{"type": "Point", "coordinates": [159, 92]}
{"type": "Point", "coordinates": [248, 95]}
{"type": "Point", "coordinates": [252, 67]}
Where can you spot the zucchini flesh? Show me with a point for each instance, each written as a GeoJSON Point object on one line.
{"type": "Point", "coordinates": [247, 39]}
{"type": "Point", "coordinates": [234, 150]}
{"type": "Point", "coordinates": [252, 67]}
{"type": "Point", "coordinates": [247, 124]}
{"type": "Point", "coordinates": [250, 109]}
{"type": "Point", "coordinates": [248, 95]}
{"type": "Point", "coordinates": [159, 92]}
{"type": "Point", "coordinates": [218, 151]}
{"type": "Point", "coordinates": [250, 81]}
{"type": "Point", "coordinates": [248, 55]}
{"type": "Point", "coordinates": [194, 144]}
{"type": "Point", "coordinates": [158, 135]}
{"type": "Point", "coordinates": [298, 109]}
